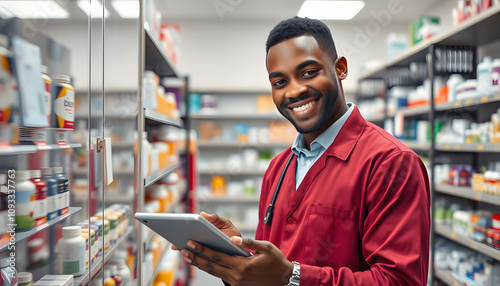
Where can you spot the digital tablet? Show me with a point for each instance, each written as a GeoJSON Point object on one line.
{"type": "Point", "coordinates": [178, 229]}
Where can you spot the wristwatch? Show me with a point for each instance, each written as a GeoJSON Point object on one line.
{"type": "Point", "coordinates": [295, 279]}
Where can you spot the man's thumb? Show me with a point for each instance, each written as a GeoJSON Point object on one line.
{"type": "Point", "coordinates": [248, 243]}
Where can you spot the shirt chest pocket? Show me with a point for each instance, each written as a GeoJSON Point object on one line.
{"type": "Point", "coordinates": [332, 237]}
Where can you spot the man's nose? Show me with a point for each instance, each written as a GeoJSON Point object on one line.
{"type": "Point", "coordinates": [295, 89]}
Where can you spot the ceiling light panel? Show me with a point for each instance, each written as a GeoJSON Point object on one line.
{"type": "Point", "coordinates": [93, 6]}
{"type": "Point", "coordinates": [34, 9]}
{"type": "Point", "coordinates": [126, 9]}
{"type": "Point", "coordinates": [330, 10]}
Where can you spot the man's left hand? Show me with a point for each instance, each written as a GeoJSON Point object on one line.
{"type": "Point", "coordinates": [268, 266]}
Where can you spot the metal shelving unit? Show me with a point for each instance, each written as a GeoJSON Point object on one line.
{"type": "Point", "coordinates": [416, 111]}
{"type": "Point", "coordinates": [467, 193]}
{"type": "Point", "coordinates": [244, 145]}
{"type": "Point", "coordinates": [468, 103]}
{"type": "Point", "coordinates": [158, 175]}
{"type": "Point", "coordinates": [27, 149]}
{"type": "Point", "coordinates": [417, 145]}
{"type": "Point", "coordinates": [155, 116]}
{"type": "Point", "coordinates": [445, 277]}
{"type": "Point", "coordinates": [446, 231]}
{"type": "Point", "coordinates": [272, 116]}
{"type": "Point", "coordinates": [470, 147]}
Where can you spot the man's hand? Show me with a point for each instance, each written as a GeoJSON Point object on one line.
{"type": "Point", "coordinates": [225, 225]}
{"type": "Point", "coordinates": [267, 267]}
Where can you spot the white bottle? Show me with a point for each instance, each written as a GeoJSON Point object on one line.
{"type": "Point", "coordinates": [484, 77]}
{"type": "Point", "coordinates": [119, 259]}
{"type": "Point", "coordinates": [25, 201]}
{"type": "Point", "coordinates": [495, 76]}
{"type": "Point", "coordinates": [149, 91]}
{"type": "Point", "coordinates": [71, 251]}
{"type": "Point", "coordinates": [452, 83]}
{"type": "Point", "coordinates": [146, 154]}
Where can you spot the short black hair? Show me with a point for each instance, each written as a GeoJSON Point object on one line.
{"type": "Point", "coordinates": [295, 27]}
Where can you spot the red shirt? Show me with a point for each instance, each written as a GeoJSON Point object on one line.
{"type": "Point", "coordinates": [361, 216]}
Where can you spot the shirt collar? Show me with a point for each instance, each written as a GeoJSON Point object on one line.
{"type": "Point", "coordinates": [325, 139]}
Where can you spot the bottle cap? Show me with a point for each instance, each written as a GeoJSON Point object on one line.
{"type": "Point", "coordinates": [35, 174]}
{"type": "Point", "coordinates": [24, 277]}
{"type": "Point", "coordinates": [46, 171]}
{"type": "Point", "coordinates": [58, 170]}
{"type": "Point", "coordinates": [72, 230]}
{"type": "Point", "coordinates": [22, 175]}
{"type": "Point", "coordinates": [61, 78]}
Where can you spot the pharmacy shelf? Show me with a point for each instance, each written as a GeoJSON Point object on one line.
{"type": "Point", "coordinates": [98, 264]}
{"type": "Point", "coordinates": [153, 178]}
{"type": "Point", "coordinates": [445, 277]}
{"type": "Point", "coordinates": [470, 147]}
{"type": "Point", "coordinates": [121, 172]}
{"type": "Point", "coordinates": [273, 116]}
{"type": "Point", "coordinates": [232, 173]}
{"type": "Point", "coordinates": [20, 236]}
{"type": "Point", "coordinates": [27, 149]}
{"type": "Point", "coordinates": [229, 200]}
{"type": "Point", "coordinates": [415, 111]}
{"type": "Point", "coordinates": [244, 145]}
{"type": "Point", "coordinates": [109, 199]}
{"type": "Point", "coordinates": [446, 231]}
{"type": "Point", "coordinates": [467, 193]}
{"type": "Point", "coordinates": [417, 145]}
{"type": "Point", "coordinates": [466, 103]}
{"type": "Point", "coordinates": [160, 118]}
{"type": "Point", "coordinates": [475, 31]}
{"type": "Point", "coordinates": [122, 144]}
{"type": "Point", "coordinates": [156, 59]}
{"type": "Point", "coordinates": [107, 116]}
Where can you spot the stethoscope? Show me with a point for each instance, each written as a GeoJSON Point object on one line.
{"type": "Point", "coordinates": [270, 209]}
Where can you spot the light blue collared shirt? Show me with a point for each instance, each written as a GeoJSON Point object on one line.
{"type": "Point", "coordinates": [306, 158]}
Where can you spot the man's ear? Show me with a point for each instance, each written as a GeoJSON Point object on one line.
{"type": "Point", "coordinates": [341, 68]}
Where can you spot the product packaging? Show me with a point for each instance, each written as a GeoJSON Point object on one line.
{"type": "Point", "coordinates": [55, 280]}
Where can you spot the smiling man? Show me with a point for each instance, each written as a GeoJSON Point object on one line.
{"type": "Point", "coordinates": [351, 203]}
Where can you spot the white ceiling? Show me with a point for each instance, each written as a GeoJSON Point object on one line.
{"type": "Point", "coordinates": [258, 10]}
{"type": "Point", "coordinates": [275, 10]}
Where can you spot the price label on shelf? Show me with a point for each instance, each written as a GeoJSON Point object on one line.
{"type": "Point", "coordinates": [468, 102]}
{"type": "Point", "coordinates": [477, 197]}
{"type": "Point", "coordinates": [484, 99]}
{"type": "Point", "coordinates": [457, 103]}
{"type": "Point", "coordinates": [480, 147]}
{"type": "Point", "coordinates": [446, 147]}
{"type": "Point", "coordinates": [457, 147]}
{"type": "Point", "coordinates": [453, 235]}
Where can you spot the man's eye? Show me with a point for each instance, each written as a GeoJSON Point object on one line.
{"type": "Point", "coordinates": [279, 83]}
{"type": "Point", "coordinates": [309, 73]}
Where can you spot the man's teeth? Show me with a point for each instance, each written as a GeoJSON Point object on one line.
{"type": "Point", "coordinates": [303, 107]}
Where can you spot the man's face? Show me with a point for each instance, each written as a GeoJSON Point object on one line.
{"type": "Point", "coordinates": [304, 83]}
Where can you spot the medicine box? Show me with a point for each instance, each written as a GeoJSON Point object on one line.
{"type": "Point", "coordinates": [55, 280]}
{"type": "Point", "coordinates": [422, 28]}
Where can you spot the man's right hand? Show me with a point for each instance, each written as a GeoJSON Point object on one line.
{"type": "Point", "coordinates": [225, 225]}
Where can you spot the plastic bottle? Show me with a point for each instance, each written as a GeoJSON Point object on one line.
{"type": "Point", "coordinates": [40, 213]}
{"type": "Point", "coordinates": [47, 86]}
{"type": "Point", "coordinates": [119, 260]}
{"type": "Point", "coordinates": [159, 193]}
{"type": "Point", "coordinates": [8, 277]}
{"type": "Point", "coordinates": [150, 100]}
{"type": "Point", "coordinates": [100, 230]}
{"type": "Point", "coordinates": [108, 281]}
{"type": "Point", "coordinates": [85, 235]}
{"type": "Point", "coordinates": [52, 186]}
{"type": "Point", "coordinates": [452, 83]}
{"type": "Point", "coordinates": [115, 276]}
{"type": "Point", "coordinates": [146, 154]}
{"type": "Point", "coordinates": [25, 279]}
{"type": "Point", "coordinates": [63, 98]}
{"type": "Point", "coordinates": [71, 251]}
{"type": "Point", "coordinates": [25, 201]}
{"type": "Point", "coordinates": [62, 191]}
{"type": "Point", "coordinates": [484, 77]}
{"type": "Point", "coordinates": [8, 84]}
{"type": "Point", "coordinates": [495, 75]}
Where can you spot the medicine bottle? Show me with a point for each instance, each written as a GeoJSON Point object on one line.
{"type": "Point", "coordinates": [108, 281]}
{"type": "Point", "coordinates": [113, 269]}
{"type": "Point", "coordinates": [71, 251]}
{"type": "Point", "coordinates": [25, 201]}
{"type": "Point", "coordinates": [25, 279]}
{"type": "Point", "coordinates": [40, 213]}
{"type": "Point", "coordinates": [62, 191]}
{"type": "Point", "coordinates": [52, 207]}
{"type": "Point", "coordinates": [119, 259]}
{"type": "Point", "coordinates": [63, 102]}
{"type": "Point", "coordinates": [47, 82]}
